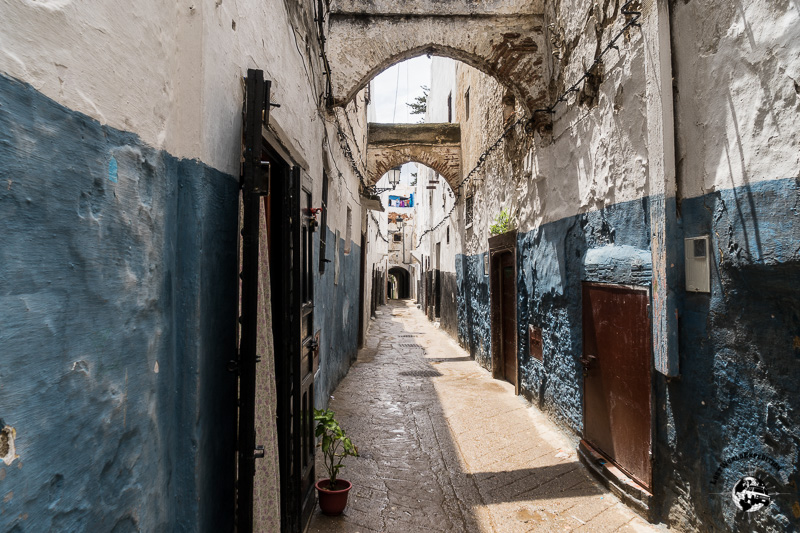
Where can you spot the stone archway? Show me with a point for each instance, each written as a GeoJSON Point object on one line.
{"type": "Point", "coordinates": [403, 278]}
{"type": "Point", "coordinates": [437, 146]}
{"type": "Point", "coordinates": [503, 38]}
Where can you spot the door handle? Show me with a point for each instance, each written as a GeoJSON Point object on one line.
{"type": "Point", "coordinates": [587, 359]}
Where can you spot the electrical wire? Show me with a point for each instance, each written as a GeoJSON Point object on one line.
{"type": "Point", "coordinates": [396, 90]}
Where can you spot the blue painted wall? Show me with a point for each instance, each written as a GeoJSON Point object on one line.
{"type": "Point", "coordinates": [114, 257]}
{"type": "Point", "coordinates": [739, 389]}
{"type": "Point", "coordinates": [739, 346]}
{"type": "Point", "coordinates": [474, 323]}
{"type": "Point", "coordinates": [336, 316]}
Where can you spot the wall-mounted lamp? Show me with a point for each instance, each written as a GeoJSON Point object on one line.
{"type": "Point", "coordinates": [394, 176]}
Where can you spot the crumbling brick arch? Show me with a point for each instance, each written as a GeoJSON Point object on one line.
{"type": "Point", "coordinates": [437, 146]}
{"type": "Point", "coordinates": [508, 46]}
{"type": "Point", "coordinates": [423, 157]}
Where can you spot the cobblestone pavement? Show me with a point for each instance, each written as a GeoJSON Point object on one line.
{"type": "Point", "coordinates": [444, 447]}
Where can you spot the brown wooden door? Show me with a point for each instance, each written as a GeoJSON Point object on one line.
{"type": "Point", "coordinates": [508, 317]}
{"type": "Point", "coordinates": [617, 386]}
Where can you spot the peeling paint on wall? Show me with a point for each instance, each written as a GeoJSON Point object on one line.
{"type": "Point", "coordinates": [98, 282]}
{"type": "Point", "coordinates": [8, 452]}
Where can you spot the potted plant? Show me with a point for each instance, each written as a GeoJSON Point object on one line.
{"type": "Point", "coordinates": [502, 223]}
{"type": "Point", "coordinates": [335, 447]}
{"type": "Point", "coordinates": [503, 234]}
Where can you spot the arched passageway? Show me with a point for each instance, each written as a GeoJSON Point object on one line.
{"type": "Point", "coordinates": [503, 38]}
{"type": "Point", "coordinates": [402, 283]}
{"type": "Point", "coordinates": [437, 146]}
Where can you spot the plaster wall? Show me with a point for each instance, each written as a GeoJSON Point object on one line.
{"type": "Point", "coordinates": [121, 149]}
{"type": "Point", "coordinates": [376, 228]}
{"type": "Point", "coordinates": [118, 293]}
{"type": "Point", "coordinates": [737, 94]}
{"type": "Point", "coordinates": [736, 113]}
{"type": "Point", "coordinates": [583, 199]}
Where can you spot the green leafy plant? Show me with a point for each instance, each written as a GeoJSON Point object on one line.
{"type": "Point", "coordinates": [502, 223]}
{"type": "Point", "coordinates": [335, 444]}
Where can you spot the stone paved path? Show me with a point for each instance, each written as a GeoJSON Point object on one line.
{"type": "Point", "coordinates": [444, 447]}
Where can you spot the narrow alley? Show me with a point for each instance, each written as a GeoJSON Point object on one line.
{"type": "Point", "coordinates": [540, 257]}
{"type": "Point", "coordinates": [446, 448]}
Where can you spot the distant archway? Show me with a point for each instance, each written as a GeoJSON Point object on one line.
{"type": "Point", "coordinates": [403, 282]}
{"type": "Point", "coordinates": [505, 39]}
{"type": "Point", "coordinates": [437, 146]}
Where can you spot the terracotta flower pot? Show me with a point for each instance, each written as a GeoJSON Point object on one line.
{"type": "Point", "coordinates": [333, 502]}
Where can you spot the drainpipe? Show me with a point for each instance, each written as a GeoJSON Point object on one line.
{"type": "Point", "coordinates": [664, 231]}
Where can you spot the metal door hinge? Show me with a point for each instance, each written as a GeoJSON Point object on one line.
{"type": "Point", "coordinates": [259, 452]}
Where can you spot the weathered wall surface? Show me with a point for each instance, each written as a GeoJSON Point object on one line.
{"type": "Point", "coordinates": [336, 317]}
{"type": "Point", "coordinates": [364, 43]}
{"type": "Point", "coordinates": [118, 262]}
{"type": "Point", "coordinates": [738, 347]}
{"type": "Point", "coordinates": [582, 199]}
{"type": "Point", "coordinates": [120, 146]}
{"type": "Point", "coordinates": [474, 323]}
{"type": "Point", "coordinates": [737, 102]}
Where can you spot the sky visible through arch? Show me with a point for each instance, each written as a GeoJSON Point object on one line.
{"type": "Point", "coordinates": [392, 89]}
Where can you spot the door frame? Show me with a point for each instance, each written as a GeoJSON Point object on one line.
{"type": "Point", "coordinates": [499, 245]}
{"type": "Point", "coordinates": [647, 290]}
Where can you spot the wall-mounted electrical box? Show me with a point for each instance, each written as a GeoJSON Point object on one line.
{"type": "Point", "coordinates": [698, 264]}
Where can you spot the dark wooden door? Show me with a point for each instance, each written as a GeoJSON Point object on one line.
{"type": "Point", "coordinates": [295, 351]}
{"type": "Point", "coordinates": [508, 317]}
{"type": "Point", "coordinates": [617, 382]}
{"type": "Point", "coordinates": [308, 362]}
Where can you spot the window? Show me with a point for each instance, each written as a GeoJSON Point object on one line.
{"type": "Point", "coordinates": [468, 211]}
{"type": "Point", "coordinates": [448, 234]}
{"type": "Point", "coordinates": [323, 225]}
{"type": "Point", "coordinates": [398, 237]}
{"type": "Point", "coordinates": [466, 104]}
{"type": "Point", "coordinates": [450, 107]}
{"type": "Point", "coordinates": [348, 236]}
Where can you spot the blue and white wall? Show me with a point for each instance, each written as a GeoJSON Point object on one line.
{"type": "Point", "coordinates": [120, 136]}
{"type": "Point", "coordinates": [584, 200]}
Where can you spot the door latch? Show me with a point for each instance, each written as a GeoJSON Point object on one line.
{"type": "Point", "coordinates": [259, 452]}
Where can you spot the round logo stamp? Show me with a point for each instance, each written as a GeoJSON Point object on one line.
{"type": "Point", "coordinates": [750, 494]}
{"type": "Point", "coordinates": [751, 480]}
